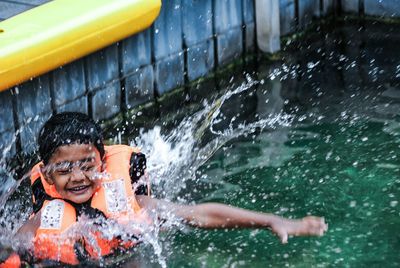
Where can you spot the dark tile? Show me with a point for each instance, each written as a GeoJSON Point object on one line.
{"type": "Point", "coordinates": [196, 21]}
{"type": "Point", "coordinates": [78, 105]}
{"type": "Point", "coordinates": [229, 46]}
{"type": "Point", "coordinates": [68, 83]}
{"type": "Point", "coordinates": [350, 6]}
{"type": "Point", "coordinates": [249, 15]}
{"type": "Point", "coordinates": [307, 10]}
{"type": "Point", "coordinates": [30, 131]}
{"type": "Point", "coordinates": [250, 36]}
{"type": "Point", "coordinates": [106, 102]}
{"type": "Point", "coordinates": [136, 52]}
{"type": "Point", "coordinates": [102, 67]}
{"type": "Point", "coordinates": [328, 7]}
{"type": "Point", "coordinates": [287, 16]}
{"type": "Point", "coordinates": [139, 87]}
{"type": "Point", "coordinates": [228, 14]}
{"type": "Point", "coordinates": [6, 110]}
{"type": "Point", "coordinates": [169, 73]}
{"type": "Point", "coordinates": [200, 59]}
{"type": "Point", "coordinates": [33, 98]}
{"type": "Point", "coordinates": [167, 30]}
{"type": "Point", "coordinates": [7, 145]}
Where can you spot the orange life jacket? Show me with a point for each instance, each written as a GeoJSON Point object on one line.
{"type": "Point", "coordinates": [115, 198]}
{"type": "Point", "coordinates": [13, 261]}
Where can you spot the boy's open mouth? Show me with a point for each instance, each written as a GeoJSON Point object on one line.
{"type": "Point", "coordinates": [78, 189]}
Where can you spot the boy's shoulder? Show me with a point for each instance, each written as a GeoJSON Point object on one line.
{"type": "Point", "coordinates": [120, 148]}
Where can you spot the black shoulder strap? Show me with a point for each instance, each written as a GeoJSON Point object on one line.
{"type": "Point", "coordinates": [40, 195]}
{"type": "Point", "coordinates": [136, 170]}
{"type": "Point", "coordinates": [87, 209]}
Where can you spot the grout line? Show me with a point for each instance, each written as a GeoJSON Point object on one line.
{"type": "Point", "coordinates": [121, 77]}
{"type": "Point", "coordinates": [361, 8]}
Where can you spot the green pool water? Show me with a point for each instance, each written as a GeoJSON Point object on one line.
{"type": "Point", "coordinates": [347, 172]}
{"type": "Point", "coordinates": [338, 158]}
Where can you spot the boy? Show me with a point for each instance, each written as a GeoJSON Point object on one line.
{"type": "Point", "coordinates": [79, 176]}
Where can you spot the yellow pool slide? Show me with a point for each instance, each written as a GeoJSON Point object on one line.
{"type": "Point", "coordinates": [61, 31]}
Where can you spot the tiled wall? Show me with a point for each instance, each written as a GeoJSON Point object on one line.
{"type": "Point", "coordinates": [189, 39]}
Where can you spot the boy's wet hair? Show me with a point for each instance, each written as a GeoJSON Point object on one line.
{"type": "Point", "coordinates": [68, 128]}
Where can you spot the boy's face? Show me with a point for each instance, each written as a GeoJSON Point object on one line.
{"type": "Point", "coordinates": [72, 169]}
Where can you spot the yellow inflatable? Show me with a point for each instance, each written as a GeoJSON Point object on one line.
{"type": "Point", "coordinates": [61, 31]}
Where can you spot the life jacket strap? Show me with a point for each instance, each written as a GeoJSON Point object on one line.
{"type": "Point", "coordinates": [39, 195]}
{"type": "Point", "coordinates": [137, 170]}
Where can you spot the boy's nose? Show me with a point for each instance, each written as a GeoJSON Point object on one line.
{"type": "Point", "coordinates": [77, 174]}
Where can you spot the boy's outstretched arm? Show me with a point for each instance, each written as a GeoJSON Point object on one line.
{"type": "Point", "coordinates": [215, 215]}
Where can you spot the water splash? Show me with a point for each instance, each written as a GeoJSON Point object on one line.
{"type": "Point", "coordinates": [173, 158]}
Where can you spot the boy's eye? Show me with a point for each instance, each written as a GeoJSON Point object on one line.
{"type": "Point", "coordinates": [64, 171]}
{"type": "Point", "coordinates": [87, 168]}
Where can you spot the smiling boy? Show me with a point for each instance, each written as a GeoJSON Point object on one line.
{"type": "Point", "coordinates": [79, 176]}
{"type": "Point", "coordinates": [71, 166]}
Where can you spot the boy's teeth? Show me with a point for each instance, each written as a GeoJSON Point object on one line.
{"type": "Point", "coordinates": [78, 188]}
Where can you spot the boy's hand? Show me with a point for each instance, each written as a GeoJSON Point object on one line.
{"type": "Point", "coordinates": [303, 227]}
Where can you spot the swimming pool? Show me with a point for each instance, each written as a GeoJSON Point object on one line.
{"type": "Point", "coordinates": [314, 133]}
{"type": "Point", "coordinates": [332, 152]}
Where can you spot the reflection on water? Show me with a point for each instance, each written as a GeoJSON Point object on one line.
{"type": "Point", "coordinates": [316, 133]}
